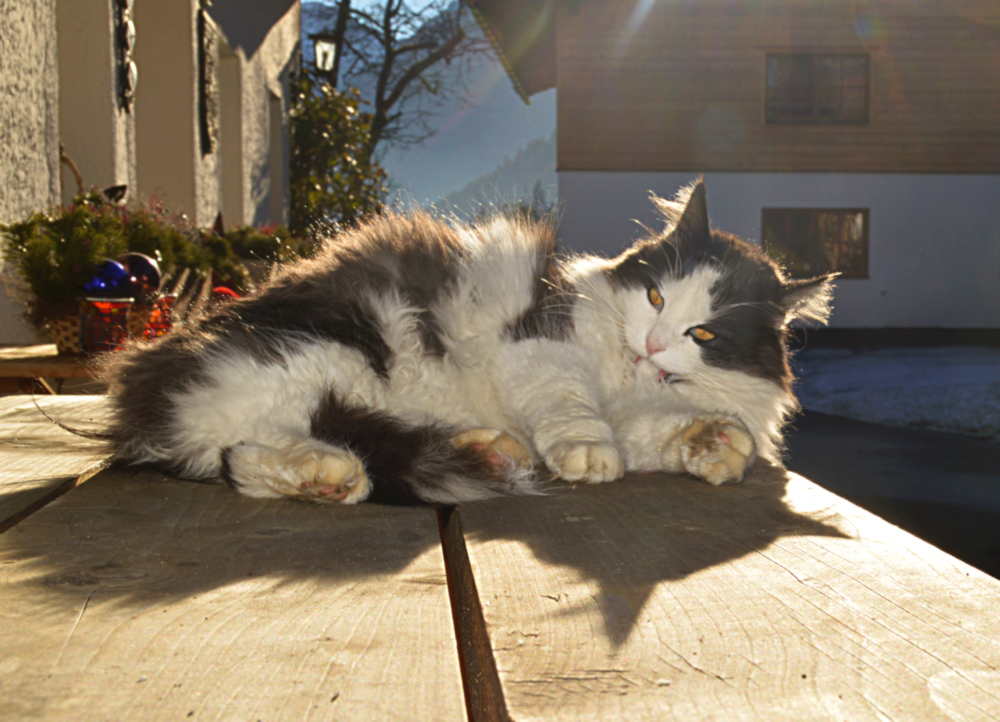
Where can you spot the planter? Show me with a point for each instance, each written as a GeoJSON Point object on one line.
{"type": "Point", "coordinates": [65, 333]}
{"type": "Point", "coordinates": [104, 324]}
{"type": "Point", "coordinates": [65, 330]}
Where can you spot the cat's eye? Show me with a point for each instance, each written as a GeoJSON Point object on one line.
{"type": "Point", "coordinates": [699, 333]}
{"type": "Point", "coordinates": [655, 298]}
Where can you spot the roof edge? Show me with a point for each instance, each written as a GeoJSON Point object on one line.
{"type": "Point", "coordinates": [491, 35]}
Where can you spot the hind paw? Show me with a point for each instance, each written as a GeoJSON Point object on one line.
{"type": "Point", "coordinates": [309, 470]}
{"type": "Point", "coordinates": [499, 448]}
{"type": "Point", "coordinates": [717, 450]}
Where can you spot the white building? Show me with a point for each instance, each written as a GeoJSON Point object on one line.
{"type": "Point", "coordinates": [205, 130]}
{"type": "Point", "coordinates": [856, 138]}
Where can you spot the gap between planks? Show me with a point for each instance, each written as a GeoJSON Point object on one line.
{"type": "Point", "coordinates": [484, 700]}
{"type": "Point", "coordinates": [71, 483]}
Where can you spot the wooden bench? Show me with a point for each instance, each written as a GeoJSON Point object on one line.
{"type": "Point", "coordinates": [39, 369]}
{"type": "Point", "coordinates": [137, 596]}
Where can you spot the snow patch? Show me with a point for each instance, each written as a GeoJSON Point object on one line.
{"type": "Point", "coordinates": [954, 389]}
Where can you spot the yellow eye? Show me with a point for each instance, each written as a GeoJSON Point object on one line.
{"type": "Point", "coordinates": [655, 298]}
{"type": "Point", "coordinates": [701, 334]}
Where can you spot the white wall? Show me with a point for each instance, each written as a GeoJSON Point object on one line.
{"type": "Point", "coordinates": [263, 38]}
{"type": "Point", "coordinates": [97, 133]}
{"type": "Point", "coordinates": [170, 163]}
{"type": "Point", "coordinates": [166, 121]}
{"type": "Point", "coordinates": [266, 78]}
{"type": "Point", "coordinates": [231, 135]}
{"type": "Point", "coordinates": [934, 240]}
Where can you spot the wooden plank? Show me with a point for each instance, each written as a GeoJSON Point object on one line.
{"type": "Point", "coordinates": [139, 597]}
{"type": "Point", "coordinates": [42, 361]}
{"type": "Point", "coordinates": [665, 598]}
{"type": "Point", "coordinates": [37, 458]}
{"type": "Point", "coordinates": [684, 90]}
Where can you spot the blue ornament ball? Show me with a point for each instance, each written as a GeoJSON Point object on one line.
{"type": "Point", "coordinates": [110, 279]}
{"type": "Point", "coordinates": [145, 272]}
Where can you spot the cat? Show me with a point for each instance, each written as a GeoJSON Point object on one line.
{"type": "Point", "coordinates": [420, 362]}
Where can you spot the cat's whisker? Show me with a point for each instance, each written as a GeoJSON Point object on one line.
{"type": "Point", "coordinates": [767, 307]}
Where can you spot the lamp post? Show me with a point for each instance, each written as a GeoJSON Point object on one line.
{"type": "Point", "coordinates": [327, 56]}
{"type": "Point", "coordinates": [327, 46]}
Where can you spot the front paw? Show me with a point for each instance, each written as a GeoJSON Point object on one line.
{"type": "Point", "coordinates": [592, 462]}
{"type": "Point", "coordinates": [717, 450]}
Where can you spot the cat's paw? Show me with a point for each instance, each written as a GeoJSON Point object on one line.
{"type": "Point", "coordinates": [499, 447]}
{"type": "Point", "coordinates": [592, 462]}
{"type": "Point", "coordinates": [716, 449]}
{"type": "Point", "coordinates": [309, 470]}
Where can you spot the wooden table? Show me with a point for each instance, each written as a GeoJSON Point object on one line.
{"type": "Point", "coordinates": [39, 369]}
{"type": "Point", "coordinates": [136, 596]}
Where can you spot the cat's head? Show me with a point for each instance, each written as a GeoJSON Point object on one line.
{"type": "Point", "coordinates": [695, 299]}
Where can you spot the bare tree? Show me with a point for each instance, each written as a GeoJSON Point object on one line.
{"type": "Point", "coordinates": [394, 53]}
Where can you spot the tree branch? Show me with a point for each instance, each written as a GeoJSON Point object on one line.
{"type": "Point", "coordinates": [420, 66]}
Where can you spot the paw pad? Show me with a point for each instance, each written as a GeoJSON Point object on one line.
{"type": "Point", "coordinates": [717, 450]}
{"type": "Point", "coordinates": [309, 470]}
{"type": "Point", "coordinates": [591, 462]}
{"type": "Point", "coordinates": [498, 447]}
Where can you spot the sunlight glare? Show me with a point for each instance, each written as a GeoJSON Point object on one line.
{"type": "Point", "coordinates": [635, 22]}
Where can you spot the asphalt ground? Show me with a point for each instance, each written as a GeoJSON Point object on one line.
{"type": "Point", "coordinates": [943, 488]}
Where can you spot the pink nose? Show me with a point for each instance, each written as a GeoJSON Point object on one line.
{"type": "Point", "coordinates": [652, 346]}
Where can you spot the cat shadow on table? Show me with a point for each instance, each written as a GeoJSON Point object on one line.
{"type": "Point", "coordinates": [144, 539]}
{"type": "Point", "coordinates": [625, 538]}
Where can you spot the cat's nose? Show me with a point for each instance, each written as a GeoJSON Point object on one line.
{"type": "Point", "coordinates": [652, 346]}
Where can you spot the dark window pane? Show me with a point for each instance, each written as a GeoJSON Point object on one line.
{"type": "Point", "coordinates": [808, 242]}
{"type": "Point", "coordinates": [829, 71]}
{"type": "Point", "coordinates": [816, 88]}
{"type": "Point", "coordinates": [854, 104]}
{"type": "Point", "coordinates": [855, 72]}
{"type": "Point", "coordinates": [829, 102]}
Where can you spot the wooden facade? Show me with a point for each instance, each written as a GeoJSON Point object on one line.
{"type": "Point", "coordinates": [683, 88]}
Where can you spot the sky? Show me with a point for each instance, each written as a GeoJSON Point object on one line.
{"type": "Point", "coordinates": [475, 134]}
{"type": "Point", "coordinates": [414, 4]}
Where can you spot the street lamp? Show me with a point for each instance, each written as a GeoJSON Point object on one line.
{"type": "Point", "coordinates": [325, 50]}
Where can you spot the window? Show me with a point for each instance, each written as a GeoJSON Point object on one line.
{"type": "Point", "coordinates": [817, 88]}
{"type": "Point", "coordinates": [808, 241]}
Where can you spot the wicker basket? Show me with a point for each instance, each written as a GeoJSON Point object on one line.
{"type": "Point", "coordinates": [65, 332]}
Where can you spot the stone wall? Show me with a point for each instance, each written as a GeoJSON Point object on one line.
{"type": "Point", "coordinates": [29, 126]}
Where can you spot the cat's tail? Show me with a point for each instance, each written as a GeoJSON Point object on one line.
{"type": "Point", "coordinates": [418, 464]}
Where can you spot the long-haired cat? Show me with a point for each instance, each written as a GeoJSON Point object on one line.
{"type": "Point", "coordinates": [418, 362]}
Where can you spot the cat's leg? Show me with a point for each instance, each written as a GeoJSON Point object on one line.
{"type": "Point", "coordinates": [499, 447]}
{"type": "Point", "coordinates": [550, 392]}
{"type": "Point", "coordinates": [713, 447]}
{"type": "Point", "coordinates": [304, 468]}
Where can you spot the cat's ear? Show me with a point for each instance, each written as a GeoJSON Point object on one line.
{"type": "Point", "coordinates": [808, 299]}
{"type": "Point", "coordinates": [686, 215]}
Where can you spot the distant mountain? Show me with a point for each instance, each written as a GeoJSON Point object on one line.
{"type": "Point", "coordinates": [527, 178]}
{"type": "Point", "coordinates": [477, 134]}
